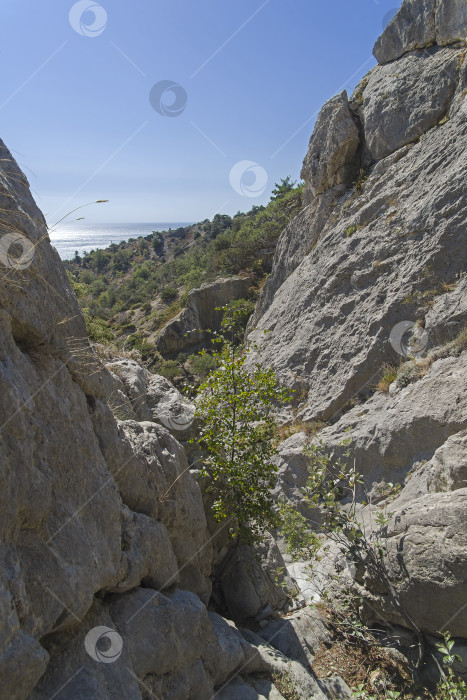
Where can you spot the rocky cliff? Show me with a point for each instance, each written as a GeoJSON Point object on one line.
{"type": "Point", "coordinates": [106, 554]}
{"type": "Point", "coordinates": [369, 282]}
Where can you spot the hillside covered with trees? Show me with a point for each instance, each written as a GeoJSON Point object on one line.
{"type": "Point", "coordinates": [129, 291]}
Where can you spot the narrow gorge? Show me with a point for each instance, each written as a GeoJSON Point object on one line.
{"type": "Point", "coordinates": [116, 581]}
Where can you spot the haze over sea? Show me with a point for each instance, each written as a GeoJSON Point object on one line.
{"type": "Point", "coordinates": [84, 237]}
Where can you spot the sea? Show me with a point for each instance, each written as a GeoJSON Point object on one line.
{"type": "Point", "coordinates": [84, 237]}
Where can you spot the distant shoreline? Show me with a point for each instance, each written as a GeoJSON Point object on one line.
{"type": "Point", "coordinates": [84, 237]}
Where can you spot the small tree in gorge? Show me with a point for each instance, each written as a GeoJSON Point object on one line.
{"type": "Point", "coordinates": [238, 434]}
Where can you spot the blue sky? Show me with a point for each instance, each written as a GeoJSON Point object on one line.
{"type": "Point", "coordinates": [75, 109]}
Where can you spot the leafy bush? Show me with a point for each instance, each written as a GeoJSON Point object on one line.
{"type": "Point", "coordinates": [237, 433]}
{"type": "Point", "coordinates": [202, 364]}
{"type": "Point", "coordinates": [450, 687]}
{"type": "Point", "coordinates": [97, 329]}
{"type": "Point", "coordinates": [168, 294]}
{"type": "Point", "coordinates": [169, 369]}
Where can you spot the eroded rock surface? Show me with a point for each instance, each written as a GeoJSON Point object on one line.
{"type": "Point", "coordinates": [102, 524]}
{"type": "Point", "coordinates": [389, 249]}
{"type": "Point", "coordinates": [419, 24]}
{"type": "Point", "coordinates": [194, 325]}
{"type": "Point", "coordinates": [332, 146]}
{"type": "Point", "coordinates": [378, 261]}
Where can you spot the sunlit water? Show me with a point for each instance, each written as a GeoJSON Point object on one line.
{"type": "Point", "coordinates": [84, 237]}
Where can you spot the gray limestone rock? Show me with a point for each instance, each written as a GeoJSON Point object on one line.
{"type": "Point", "coordinates": [333, 144]}
{"type": "Point", "coordinates": [249, 579]}
{"type": "Point", "coordinates": [393, 433]}
{"type": "Point", "coordinates": [401, 102]}
{"type": "Point", "coordinates": [426, 544]}
{"type": "Point", "coordinates": [413, 27]}
{"type": "Point", "coordinates": [192, 327]}
{"type": "Point", "coordinates": [419, 24]}
{"type": "Point", "coordinates": [329, 324]}
{"type": "Point", "coordinates": [295, 242]}
{"type": "Point", "coordinates": [298, 636]}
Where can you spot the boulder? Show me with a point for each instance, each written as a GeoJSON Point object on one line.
{"type": "Point", "coordinates": [412, 27]}
{"type": "Point", "coordinates": [153, 398]}
{"type": "Point", "coordinates": [164, 633]}
{"type": "Point", "coordinates": [230, 653]}
{"type": "Point", "coordinates": [298, 636]}
{"type": "Point", "coordinates": [134, 381]}
{"type": "Point", "coordinates": [399, 105]}
{"type": "Point", "coordinates": [147, 554]}
{"type": "Point", "coordinates": [273, 661]}
{"type": "Point", "coordinates": [451, 21]}
{"type": "Point", "coordinates": [73, 673]}
{"type": "Point", "coordinates": [194, 325]}
{"type": "Point", "coordinates": [333, 144]}
{"type": "Point", "coordinates": [426, 542]}
{"type": "Point", "coordinates": [419, 24]}
{"type": "Point", "coordinates": [249, 580]}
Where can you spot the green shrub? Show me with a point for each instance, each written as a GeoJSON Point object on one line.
{"type": "Point", "coordinates": [407, 374]}
{"type": "Point", "coordinates": [168, 294]}
{"type": "Point", "coordinates": [97, 329]}
{"type": "Point", "coordinates": [235, 406]}
{"type": "Point", "coordinates": [170, 369]}
{"type": "Point", "coordinates": [202, 364]}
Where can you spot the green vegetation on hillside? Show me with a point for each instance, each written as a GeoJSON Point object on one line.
{"type": "Point", "coordinates": [131, 290]}
{"type": "Point", "coordinates": [238, 435]}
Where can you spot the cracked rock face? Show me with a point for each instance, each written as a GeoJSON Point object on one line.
{"type": "Point", "coordinates": [333, 144]}
{"type": "Point", "coordinates": [380, 258]}
{"type": "Point", "coordinates": [419, 24]}
{"type": "Point", "coordinates": [101, 522]}
{"type": "Point", "coordinates": [102, 525]}
{"type": "Point", "coordinates": [403, 101]}
{"type": "Point", "coordinates": [345, 274]}
{"type": "Point", "coordinates": [194, 324]}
